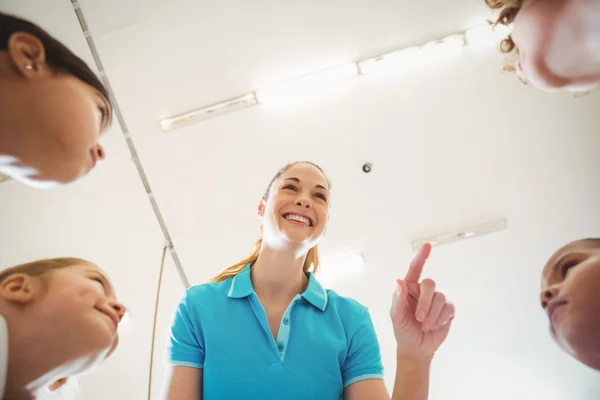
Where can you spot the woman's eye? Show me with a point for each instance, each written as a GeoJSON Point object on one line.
{"type": "Point", "coordinates": [321, 196]}
{"type": "Point", "coordinates": [291, 187]}
{"type": "Point", "coordinates": [103, 114]}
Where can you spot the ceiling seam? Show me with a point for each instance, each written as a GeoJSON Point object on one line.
{"type": "Point", "coordinates": [128, 139]}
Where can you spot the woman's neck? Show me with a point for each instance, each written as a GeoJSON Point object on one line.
{"type": "Point", "coordinates": [278, 274]}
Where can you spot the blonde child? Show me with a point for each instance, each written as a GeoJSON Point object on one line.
{"type": "Point", "coordinates": [58, 318]}
{"type": "Point", "coordinates": [556, 42]}
{"type": "Point", "coordinates": [571, 297]}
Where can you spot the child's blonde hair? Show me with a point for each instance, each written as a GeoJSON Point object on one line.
{"type": "Point", "coordinates": [41, 267]}
{"type": "Point", "coordinates": [508, 10]}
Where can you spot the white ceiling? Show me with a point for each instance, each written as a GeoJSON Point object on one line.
{"type": "Point", "coordinates": [451, 145]}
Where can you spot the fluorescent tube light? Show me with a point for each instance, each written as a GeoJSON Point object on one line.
{"type": "Point", "coordinates": [416, 55]}
{"type": "Point", "coordinates": [308, 85]}
{"type": "Point", "coordinates": [214, 110]}
{"type": "Point", "coordinates": [396, 59]}
{"type": "Point", "coordinates": [462, 234]}
{"type": "Point", "coordinates": [442, 49]}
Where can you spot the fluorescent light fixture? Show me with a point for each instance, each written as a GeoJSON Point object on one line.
{"type": "Point", "coordinates": [438, 50]}
{"type": "Point", "coordinates": [462, 234]}
{"type": "Point", "coordinates": [306, 88]}
{"type": "Point", "coordinates": [214, 110]}
{"type": "Point", "coordinates": [308, 85]}
{"type": "Point", "coordinates": [4, 178]}
{"type": "Point", "coordinates": [395, 59]}
{"type": "Point", "coordinates": [335, 269]}
{"type": "Point", "coordinates": [416, 55]}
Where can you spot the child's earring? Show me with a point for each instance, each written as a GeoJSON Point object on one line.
{"type": "Point", "coordinates": [29, 67]}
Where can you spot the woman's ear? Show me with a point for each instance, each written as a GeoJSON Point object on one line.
{"type": "Point", "coordinates": [27, 54]}
{"type": "Point", "coordinates": [20, 288]}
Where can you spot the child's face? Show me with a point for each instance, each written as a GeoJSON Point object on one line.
{"type": "Point", "coordinates": [556, 41]}
{"type": "Point", "coordinates": [55, 119]}
{"type": "Point", "coordinates": [571, 297]}
{"type": "Point", "coordinates": [80, 303]}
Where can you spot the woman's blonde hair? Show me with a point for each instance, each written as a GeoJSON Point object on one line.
{"type": "Point", "coordinates": [508, 11]}
{"type": "Point", "coordinates": [42, 267]}
{"type": "Point", "coordinates": [312, 258]}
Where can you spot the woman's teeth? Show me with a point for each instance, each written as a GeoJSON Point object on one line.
{"type": "Point", "coordinates": [299, 218]}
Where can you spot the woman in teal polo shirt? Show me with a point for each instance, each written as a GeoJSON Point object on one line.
{"type": "Point", "coordinates": [266, 329]}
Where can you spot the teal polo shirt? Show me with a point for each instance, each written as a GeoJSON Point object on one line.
{"type": "Point", "coordinates": [325, 342]}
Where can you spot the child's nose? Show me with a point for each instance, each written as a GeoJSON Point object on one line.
{"type": "Point", "coordinates": [547, 295]}
{"type": "Point", "coordinates": [120, 309]}
{"type": "Point", "coordinates": [99, 150]}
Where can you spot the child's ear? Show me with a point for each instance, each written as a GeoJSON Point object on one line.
{"type": "Point", "coordinates": [58, 384]}
{"type": "Point", "coordinates": [20, 288]}
{"type": "Point", "coordinates": [261, 208]}
{"type": "Point", "coordinates": [28, 54]}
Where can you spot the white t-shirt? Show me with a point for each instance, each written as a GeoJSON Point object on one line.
{"type": "Point", "coordinates": [3, 355]}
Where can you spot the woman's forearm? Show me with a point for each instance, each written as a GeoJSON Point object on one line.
{"type": "Point", "coordinates": [412, 377]}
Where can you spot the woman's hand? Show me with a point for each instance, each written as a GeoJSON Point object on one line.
{"type": "Point", "coordinates": [420, 315]}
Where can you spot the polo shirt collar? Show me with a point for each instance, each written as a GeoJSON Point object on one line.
{"type": "Point", "coordinates": [314, 293]}
{"type": "Point", "coordinates": [241, 286]}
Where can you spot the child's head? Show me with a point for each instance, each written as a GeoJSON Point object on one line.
{"type": "Point", "coordinates": [541, 53]}
{"type": "Point", "coordinates": [571, 297]}
{"type": "Point", "coordinates": [507, 11]}
{"type": "Point", "coordinates": [53, 108]}
{"type": "Point", "coordinates": [62, 317]}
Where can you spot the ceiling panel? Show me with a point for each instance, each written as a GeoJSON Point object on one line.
{"type": "Point", "coordinates": [451, 146]}
{"type": "Point", "coordinates": [184, 54]}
